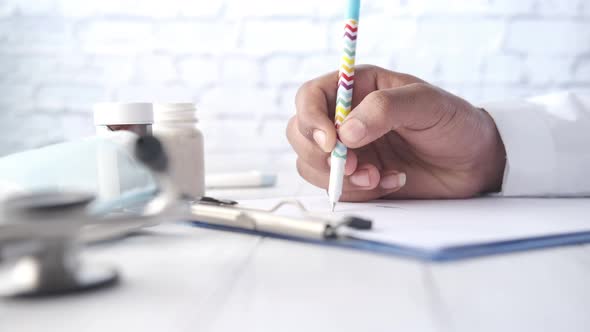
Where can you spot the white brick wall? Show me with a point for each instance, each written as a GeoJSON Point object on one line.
{"type": "Point", "coordinates": [242, 61]}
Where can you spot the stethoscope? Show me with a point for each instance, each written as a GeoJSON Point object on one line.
{"type": "Point", "coordinates": [42, 231]}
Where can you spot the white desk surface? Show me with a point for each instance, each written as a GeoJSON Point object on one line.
{"type": "Point", "coordinates": [179, 278]}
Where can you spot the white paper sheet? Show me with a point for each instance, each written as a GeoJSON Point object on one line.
{"type": "Point", "coordinates": [436, 224]}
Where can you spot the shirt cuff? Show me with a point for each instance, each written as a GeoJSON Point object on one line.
{"type": "Point", "coordinates": [530, 149]}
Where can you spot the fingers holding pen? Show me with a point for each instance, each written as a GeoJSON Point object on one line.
{"type": "Point", "coordinates": [366, 183]}
{"type": "Point", "coordinates": [313, 116]}
{"type": "Point", "coordinates": [316, 101]}
{"type": "Point", "coordinates": [415, 107]}
{"type": "Point", "coordinates": [311, 153]}
{"type": "Point", "coordinates": [365, 177]}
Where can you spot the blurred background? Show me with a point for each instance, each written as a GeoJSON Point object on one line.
{"type": "Point", "coordinates": [242, 61]}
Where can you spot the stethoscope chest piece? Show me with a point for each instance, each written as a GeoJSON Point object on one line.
{"type": "Point", "coordinates": [33, 277]}
{"type": "Point", "coordinates": [50, 264]}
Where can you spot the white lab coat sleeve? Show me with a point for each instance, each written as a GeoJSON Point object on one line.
{"type": "Point", "coordinates": [547, 141]}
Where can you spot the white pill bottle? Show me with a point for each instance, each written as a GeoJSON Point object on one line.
{"type": "Point", "coordinates": [134, 117]}
{"type": "Point", "coordinates": [176, 125]}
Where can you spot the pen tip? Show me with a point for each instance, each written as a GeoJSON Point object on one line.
{"type": "Point", "coordinates": [333, 206]}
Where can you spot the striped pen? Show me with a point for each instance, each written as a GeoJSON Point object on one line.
{"type": "Point", "coordinates": [344, 99]}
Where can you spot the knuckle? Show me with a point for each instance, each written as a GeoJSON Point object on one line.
{"type": "Point", "coordinates": [291, 129]}
{"type": "Point", "coordinates": [368, 68]}
{"type": "Point", "coordinates": [303, 170]}
{"type": "Point", "coordinates": [304, 129]}
{"type": "Point", "coordinates": [423, 89]}
{"type": "Point", "coordinates": [316, 160]}
{"type": "Point", "coordinates": [443, 103]}
{"type": "Point", "coordinates": [430, 95]}
{"type": "Point", "coordinates": [408, 79]}
{"type": "Point", "coordinates": [305, 88]}
{"type": "Point", "coordinates": [380, 101]}
{"type": "Point", "coordinates": [299, 166]}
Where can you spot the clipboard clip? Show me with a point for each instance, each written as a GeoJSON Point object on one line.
{"type": "Point", "coordinates": [216, 201]}
{"type": "Point", "coordinates": [353, 222]}
{"type": "Point", "coordinates": [307, 226]}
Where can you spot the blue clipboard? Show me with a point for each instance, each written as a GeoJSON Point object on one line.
{"type": "Point", "coordinates": [446, 254]}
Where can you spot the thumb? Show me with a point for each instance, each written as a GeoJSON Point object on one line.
{"type": "Point", "coordinates": [413, 106]}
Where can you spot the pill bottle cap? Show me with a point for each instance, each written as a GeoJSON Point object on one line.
{"type": "Point", "coordinates": [123, 113]}
{"type": "Point", "coordinates": [175, 112]}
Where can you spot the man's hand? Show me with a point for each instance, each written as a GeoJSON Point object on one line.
{"type": "Point", "coordinates": [406, 139]}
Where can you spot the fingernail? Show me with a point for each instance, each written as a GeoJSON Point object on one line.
{"type": "Point", "coordinates": [319, 137]}
{"type": "Point", "coordinates": [393, 181]}
{"type": "Point", "coordinates": [353, 130]}
{"type": "Point", "coordinates": [360, 178]}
